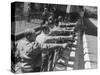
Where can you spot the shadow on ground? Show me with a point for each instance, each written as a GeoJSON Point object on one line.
{"type": "Point", "coordinates": [90, 28]}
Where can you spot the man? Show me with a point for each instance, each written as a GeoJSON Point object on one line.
{"type": "Point", "coordinates": [45, 15]}
{"type": "Point", "coordinates": [41, 40]}
{"type": "Point", "coordinates": [59, 20]}
{"type": "Point", "coordinates": [30, 60]}
{"type": "Point", "coordinates": [51, 22]}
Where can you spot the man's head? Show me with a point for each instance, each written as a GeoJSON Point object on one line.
{"type": "Point", "coordinates": [45, 10]}
{"type": "Point", "coordinates": [59, 18]}
{"type": "Point", "coordinates": [30, 35]}
{"type": "Point", "coordinates": [50, 19]}
{"type": "Point", "coordinates": [46, 29]}
{"type": "Point", "coordinates": [51, 22]}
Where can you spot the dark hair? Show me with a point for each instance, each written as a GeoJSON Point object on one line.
{"type": "Point", "coordinates": [46, 29]}
{"type": "Point", "coordinates": [27, 34]}
{"type": "Point", "coordinates": [30, 34]}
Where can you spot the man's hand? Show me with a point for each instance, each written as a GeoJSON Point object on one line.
{"type": "Point", "coordinates": [35, 45]}
{"type": "Point", "coordinates": [64, 45]}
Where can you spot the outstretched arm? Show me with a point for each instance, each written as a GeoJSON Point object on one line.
{"type": "Point", "coordinates": [59, 37]}
{"type": "Point", "coordinates": [46, 45]}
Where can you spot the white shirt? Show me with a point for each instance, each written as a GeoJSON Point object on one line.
{"type": "Point", "coordinates": [41, 38]}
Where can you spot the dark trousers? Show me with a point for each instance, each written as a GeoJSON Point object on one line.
{"type": "Point", "coordinates": [47, 61]}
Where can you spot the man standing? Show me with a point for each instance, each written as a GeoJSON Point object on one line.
{"type": "Point", "coordinates": [45, 15]}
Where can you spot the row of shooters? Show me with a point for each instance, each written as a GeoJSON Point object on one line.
{"type": "Point", "coordinates": [34, 50]}
{"type": "Point", "coordinates": [61, 34]}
